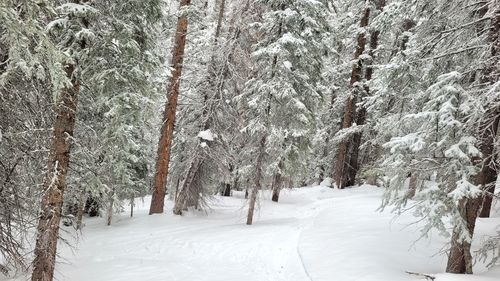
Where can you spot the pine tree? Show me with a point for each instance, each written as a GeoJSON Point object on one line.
{"type": "Point", "coordinates": [437, 138]}
{"type": "Point", "coordinates": [281, 99]}
{"type": "Point", "coordinates": [30, 78]}
{"type": "Point", "coordinates": [72, 40]}
{"type": "Point", "coordinates": [346, 165]}
{"type": "Point", "coordinates": [167, 129]}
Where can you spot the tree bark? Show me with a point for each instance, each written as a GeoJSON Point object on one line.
{"type": "Point", "coordinates": [81, 208]}
{"type": "Point", "coordinates": [227, 189]}
{"type": "Point", "coordinates": [167, 129]}
{"type": "Point", "coordinates": [412, 187]}
{"type": "Point", "coordinates": [277, 183]}
{"type": "Point", "coordinates": [132, 203]}
{"type": "Point", "coordinates": [339, 174]}
{"type": "Point", "coordinates": [258, 178]}
{"type": "Point", "coordinates": [55, 181]}
{"type": "Point", "coordinates": [220, 17]}
{"type": "Point", "coordinates": [182, 195]}
{"type": "Point", "coordinates": [110, 209]}
{"type": "Point", "coordinates": [276, 188]}
{"type": "Point", "coordinates": [488, 175]}
{"type": "Point", "coordinates": [460, 258]}
{"type": "Point", "coordinates": [491, 76]}
{"type": "Point", "coordinates": [346, 174]}
{"type": "Point", "coordinates": [353, 166]}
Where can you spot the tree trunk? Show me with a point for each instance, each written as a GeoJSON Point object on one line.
{"type": "Point", "coordinates": [460, 258]}
{"type": "Point", "coordinates": [55, 181]}
{"type": "Point", "coordinates": [353, 164]}
{"type": "Point", "coordinates": [491, 76]}
{"type": "Point", "coordinates": [167, 129]}
{"type": "Point", "coordinates": [277, 183]}
{"type": "Point", "coordinates": [185, 194]}
{"type": "Point", "coordinates": [132, 203]}
{"type": "Point", "coordinates": [110, 209]}
{"type": "Point", "coordinates": [412, 187]}
{"type": "Point", "coordinates": [236, 181]}
{"type": "Point", "coordinates": [182, 196]}
{"type": "Point", "coordinates": [350, 108]}
{"type": "Point", "coordinates": [258, 179]}
{"type": "Point", "coordinates": [226, 185]}
{"type": "Point", "coordinates": [81, 209]}
{"type": "Point", "coordinates": [220, 17]}
{"type": "Point", "coordinates": [488, 175]}
{"type": "Point", "coordinates": [456, 258]}
{"type": "Point", "coordinates": [227, 189]}
{"type": "Point", "coordinates": [247, 183]}
{"type": "Point", "coordinates": [276, 191]}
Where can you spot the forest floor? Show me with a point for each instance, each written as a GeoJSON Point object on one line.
{"type": "Point", "coordinates": [312, 234]}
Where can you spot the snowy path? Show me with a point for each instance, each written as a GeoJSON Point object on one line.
{"type": "Point", "coordinates": [197, 247]}
{"type": "Point", "coordinates": [357, 243]}
{"type": "Point", "coordinates": [313, 234]}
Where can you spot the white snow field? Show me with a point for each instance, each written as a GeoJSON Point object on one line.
{"type": "Point", "coordinates": [313, 233]}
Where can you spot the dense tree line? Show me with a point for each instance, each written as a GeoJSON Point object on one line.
{"type": "Point", "coordinates": [102, 102]}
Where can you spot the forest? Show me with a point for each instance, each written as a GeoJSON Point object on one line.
{"type": "Point", "coordinates": [282, 140]}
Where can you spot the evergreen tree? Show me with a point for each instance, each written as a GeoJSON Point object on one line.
{"type": "Point", "coordinates": [280, 100]}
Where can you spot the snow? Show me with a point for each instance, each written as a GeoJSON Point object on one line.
{"type": "Point", "coordinates": [288, 65]}
{"type": "Point", "coordinates": [207, 135]}
{"type": "Point", "coordinates": [327, 182]}
{"type": "Point", "coordinates": [313, 233]}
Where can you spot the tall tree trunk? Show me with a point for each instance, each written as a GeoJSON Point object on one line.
{"type": "Point", "coordinates": [55, 181]}
{"type": "Point", "coordinates": [491, 76]}
{"type": "Point", "coordinates": [351, 168]}
{"type": "Point", "coordinates": [460, 258]}
{"type": "Point", "coordinates": [340, 173]}
{"type": "Point", "coordinates": [262, 144]}
{"type": "Point", "coordinates": [258, 178]}
{"type": "Point", "coordinates": [181, 203]}
{"type": "Point", "coordinates": [488, 173]}
{"type": "Point", "coordinates": [167, 129]}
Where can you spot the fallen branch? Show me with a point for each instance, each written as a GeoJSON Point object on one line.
{"type": "Point", "coordinates": [427, 276]}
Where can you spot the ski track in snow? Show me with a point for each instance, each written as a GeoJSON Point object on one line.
{"type": "Point", "coordinates": [312, 234]}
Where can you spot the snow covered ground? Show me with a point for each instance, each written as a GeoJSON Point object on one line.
{"type": "Point", "coordinates": [313, 233]}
